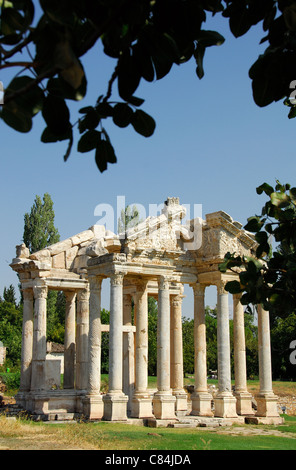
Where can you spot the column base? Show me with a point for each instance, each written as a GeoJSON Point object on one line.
{"type": "Point", "coordinates": [225, 405]}
{"type": "Point", "coordinates": [201, 404]}
{"type": "Point", "coordinates": [141, 406]}
{"type": "Point", "coordinates": [181, 402]}
{"type": "Point", "coordinates": [93, 407]}
{"type": "Point", "coordinates": [115, 407]}
{"type": "Point", "coordinates": [243, 403]}
{"type": "Point", "coordinates": [267, 404]}
{"type": "Point", "coordinates": [164, 406]}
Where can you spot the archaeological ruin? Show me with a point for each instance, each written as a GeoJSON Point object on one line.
{"type": "Point", "coordinates": [155, 258]}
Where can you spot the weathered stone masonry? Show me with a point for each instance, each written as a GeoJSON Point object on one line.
{"type": "Point", "coordinates": [155, 258]}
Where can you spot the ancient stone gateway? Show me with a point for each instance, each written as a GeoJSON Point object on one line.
{"type": "Point", "coordinates": [155, 258]}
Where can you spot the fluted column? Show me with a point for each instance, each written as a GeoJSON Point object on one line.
{"type": "Point", "coordinates": [69, 341]}
{"type": "Point", "coordinates": [243, 397]}
{"type": "Point", "coordinates": [201, 398]}
{"type": "Point", "coordinates": [141, 403]}
{"type": "Point", "coordinates": [266, 399]}
{"type": "Point", "coordinates": [115, 401]}
{"type": "Point", "coordinates": [93, 400]}
{"type": "Point", "coordinates": [128, 352]}
{"type": "Point", "coordinates": [27, 342]}
{"type": "Point", "coordinates": [163, 401]}
{"type": "Point", "coordinates": [176, 348]}
{"type": "Point", "coordinates": [225, 402]}
{"type": "Point", "coordinates": [38, 380]}
{"type": "Point", "coordinates": [82, 331]}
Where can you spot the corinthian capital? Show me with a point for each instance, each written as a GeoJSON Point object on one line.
{"type": "Point", "coordinates": [116, 279]}
{"type": "Point", "coordinates": [40, 292]}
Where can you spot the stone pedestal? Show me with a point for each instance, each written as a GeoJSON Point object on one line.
{"type": "Point", "coordinates": [225, 405]}
{"type": "Point", "coordinates": [181, 402]}
{"type": "Point", "coordinates": [141, 406]}
{"type": "Point", "coordinates": [243, 403]}
{"type": "Point", "coordinates": [93, 407]}
{"type": "Point", "coordinates": [115, 407]}
{"type": "Point", "coordinates": [164, 406]}
{"type": "Point", "coordinates": [267, 404]}
{"type": "Point", "coordinates": [201, 404]}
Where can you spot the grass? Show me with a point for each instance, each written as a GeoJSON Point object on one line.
{"type": "Point", "coordinates": [21, 434]}
{"type": "Point", "coordinates": [25, 435]}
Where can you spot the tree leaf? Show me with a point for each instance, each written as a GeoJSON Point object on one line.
{"type": "Point", "coordinates": [143, 123]}
{"type": "Point", "coordinates": [56, 114]}
{"type": "Point", "coordinates": [233, 287]}
{"type": "Point", "coordinates": [104, 154]}
{"type": "Point", "coordinates": [89, 141]}
{"type": "Point", "coordinates": [122, 115]}
{"type": "Point", "coordinates": [16, 117]}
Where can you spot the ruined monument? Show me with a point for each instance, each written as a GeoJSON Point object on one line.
{"type": "Point", "coordinates": [155, 258]}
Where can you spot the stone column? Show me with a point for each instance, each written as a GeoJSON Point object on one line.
{"type": "Point", "coordinates": [69, 341]}
{"type": "Point", "coordinates": [176, 348]}
{"type": "Point", "coordinates": [27, 346]}
{"type": "Point", "coordinates": [201, 398]}
{"type": "Point", "coordinates": [243, 397]}
{"type": "Point", "coordinates": [115, 402]}
{"type": "Point", "coordinates": [38, 379]}
{"type": "Point", "coordinates": [141, 403]}
{"type": "Point", "coordinates": [128, 352]}
{"type": "Point", "coordinates": [93, 404]}
{"type": "Point", "coordinates": [163, 401]}
{"type": "Point", "coordinates": [225, 402]}
{"type": "Point", "coordinates": [266, 399]}
{"type": "Point", "coordinates": [82, 331]}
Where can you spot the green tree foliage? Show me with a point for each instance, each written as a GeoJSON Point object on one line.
{"type": "Point", "coordinates": [145, 38]}
{"type": "Point", "coordinates": [128, 218]}
{"type": "Point", "coordinates": [268, 277]}
{"type": "Point", "coordinates": [152, 336]}
{"type": "Point", "coordinates": [11, 328]}
{"type": "Point", "coordinates": [39, 229]}
{"type": "Point", "coordinates": [105, 319]}
{"type": "Point", "coordinates": [283, 333]}
{"type": "Point", "coordinates": [9, 295]}
{"type": "Point", "coordinates": [40, 232]}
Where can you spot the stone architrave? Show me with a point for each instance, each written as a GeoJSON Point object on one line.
{"type": "Point", "coordinates": [93, 404]}
{"type": "Point", "coordinates": [243, 397]}
{"type": "Point", "coordinates": [225, 402]}
{"type": "Point", "coordinates": [163, 400]}
{"type": "Point", "coordinates": [141, 402]}
{"type": "Point", "coordinates": [201, 398]}
{"type": "Point", "coordinates": [115, 401]}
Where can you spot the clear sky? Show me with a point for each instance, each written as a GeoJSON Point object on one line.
{"type": "Point", "coordinates": [212, 146]}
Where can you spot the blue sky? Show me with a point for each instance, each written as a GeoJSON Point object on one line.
{"type": "Point", "coordinates": [212, 146]}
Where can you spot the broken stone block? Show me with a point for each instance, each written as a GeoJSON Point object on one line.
{"type": "Point", "coordinates": [58, 261]}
